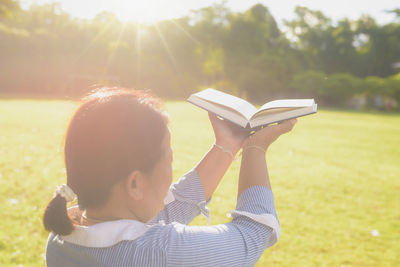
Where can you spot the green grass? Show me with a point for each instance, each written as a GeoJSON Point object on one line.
{"type": "Point", "coordinates": [335, 178]}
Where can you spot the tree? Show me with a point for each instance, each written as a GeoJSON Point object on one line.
{"type": "Point", "coordinates": [254, 48]}
{"type": "Point", "coordinates": [309, 84]}
{"type": "Point", "coordinates": [326, 46]}
{"type": "Point", "coordinates": [393, 86]}
{"type": "Point", "coordinates": [381, 49]}
{"type": "Point", "coordinates": [7, 7]}
{"type": "Point", "coordinates": [395, 11]}
{"type": "Point", "coordinates": [339, 88]}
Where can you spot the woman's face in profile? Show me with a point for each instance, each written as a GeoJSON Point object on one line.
{"type": "Point", "coordinates": [160, 178]}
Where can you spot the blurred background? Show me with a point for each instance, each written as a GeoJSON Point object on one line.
{"type": "Point", "coordinates": [343, 53]}
{"type": "Point", "coordinates": [335, 176]}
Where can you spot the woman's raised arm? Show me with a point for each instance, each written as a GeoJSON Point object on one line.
{"type": "Point", "coordinates": [229, 139]}
{"type": "Point", "coordinates": [253, 170]}
{"type": "Point", "coordinates": [192, 191]}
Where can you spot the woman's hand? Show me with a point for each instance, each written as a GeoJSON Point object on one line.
{"type": "Point", "coordinates": [253, 169]}
{"type": "Point", "coordinates": [227, 134]}
{"type": "Point", "coordinates": [266, 136]}
{"type": "Point", "coordinates": [214, 164]}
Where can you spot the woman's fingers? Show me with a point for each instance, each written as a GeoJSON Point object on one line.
{"type": "Point", "coordinates": [220, 124]}
{"type": "Point", "coordinates": [285, 126]}
{"type": "Point", "coordinates": [227, 131]}
{"type": "Point", "coordinates": [269, 134]}
{"type": "Point", "coordinates": [279, 128]}
{"type": "Point", "coordinates": [213, 118]}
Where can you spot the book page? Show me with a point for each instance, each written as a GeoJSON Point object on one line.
{"type": "Point", "coordinates": [230, 101]}
{"type": "Point", "coordinates": [288, 103]}
{"type": "Point", "coordinates": [284, 105]}
{"type": "Point", "coordinates": [222, 111]}
{"type": "Point", "coordinates": [270, 111]}
{"type": "Point", "coordinates": [284, 115]}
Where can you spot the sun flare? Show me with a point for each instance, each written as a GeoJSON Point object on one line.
{"type": "Point", "coordinates": [150, 11]}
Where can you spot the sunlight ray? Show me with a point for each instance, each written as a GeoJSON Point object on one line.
{"type": "Point", "coordinates": [174, 63]}
{"type": "Point", "coordinates": [184, 31]}
{"type": "Point", "coordinates": [138, 53]}
{"type": "Point", "coordinates": [92, 42]}
{"type": "Point", "coordinates": [112, 54]}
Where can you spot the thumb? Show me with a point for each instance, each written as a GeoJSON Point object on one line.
{"type": "Point", "coordinates": [269, 134]}
{"type": "Point", "coordinates": [285, 126]}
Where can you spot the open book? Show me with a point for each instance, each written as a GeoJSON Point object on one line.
{"type": "Point", "coordinates": [243, 113]}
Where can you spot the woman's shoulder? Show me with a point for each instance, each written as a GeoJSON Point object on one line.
{"type": "Point", "coordinates": [95, 246]}
{"type": "Point", "coordinates": [159, 234]}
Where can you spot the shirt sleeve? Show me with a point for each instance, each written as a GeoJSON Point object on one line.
{"type": "Point", "coordinates": [186, 201]}
{"type": "Point", "coordinates": [240, 242]}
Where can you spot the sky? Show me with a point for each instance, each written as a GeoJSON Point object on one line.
{"type": "Point", "coordinates": [153, 10]}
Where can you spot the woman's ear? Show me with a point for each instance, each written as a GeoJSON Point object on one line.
{"type": "Point", "coordinates": [134, 185]}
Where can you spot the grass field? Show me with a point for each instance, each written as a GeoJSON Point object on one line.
{"type": "Point", "coordinates": [336, 180]}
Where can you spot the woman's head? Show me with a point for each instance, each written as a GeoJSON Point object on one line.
{"type": "Point", "coordinates": [113, 133]}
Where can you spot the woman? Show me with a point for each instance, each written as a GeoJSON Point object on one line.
{"type": "Point", "coordinates": [119, 164]}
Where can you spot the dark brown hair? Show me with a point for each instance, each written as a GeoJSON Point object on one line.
{"type": "Point", "coordinates": [112, 133]}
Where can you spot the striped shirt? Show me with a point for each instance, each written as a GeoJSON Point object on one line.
{"type": "Point", "coordinates": [168, 240]}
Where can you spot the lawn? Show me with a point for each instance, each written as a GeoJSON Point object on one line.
{"type": "Point", "coordinates": [336, 180]}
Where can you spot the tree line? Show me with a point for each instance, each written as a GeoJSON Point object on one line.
{"type": "Point", "coordinates": [43, 50]}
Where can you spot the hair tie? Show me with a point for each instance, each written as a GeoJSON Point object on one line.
{"type": "Point", "coordinates": [66, 192]}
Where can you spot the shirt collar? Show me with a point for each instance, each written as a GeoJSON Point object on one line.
{"type": "Point", "coordinates": [106, 234]}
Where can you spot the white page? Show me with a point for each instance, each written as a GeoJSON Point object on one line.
{"type": "Point", "coordinates": [294, 113]}
{"type": "Point", "coordinates": [288, 103]}
{"type": "Point", "coordinates": [233, 102]}
{"type": "Point", "coordinates": [223, 111]}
